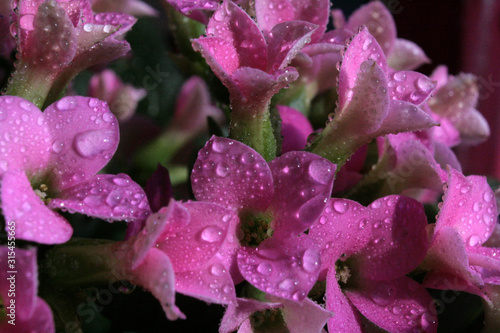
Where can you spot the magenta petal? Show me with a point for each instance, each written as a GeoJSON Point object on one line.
{"type": "Point", "coordinates": [308, 317]}
{"type": "Point", "coordinates": [285, 40]}
{"type": "Point", "coordinates": [378, 19]}
{"type": "Point", "coordinates": [25, 136]}
{"type": "Point", "coordinates": [234, 25]}
{"type": "Point", "coordinates": [232, 174]}
{"type": "Point", "coordinates": [109, 197]}
{"type": "Point", "coordinates": [156, 274]}
{"type": "Point", "coordinates": [302, 184]}
{"type": "Point", "coordinates": [220, 54]}
{"type": "Point", "coordinates": [445, 281]}
{"type": "Point", "coordinates": [406, 56]}
{"type": "Point", "coordinates": [287, 268]}
{"type": "Point", "coordinates": [410, 86]}
{"type": "Point", "coordinates": [85, 135]}
{"type": "Point", "coordinates": [469, 207]}
{"type": "Point", "coordinates": [33, 220]}
{"type": "Point", "coordinates": [346, 318]}
{"type": "Point", "coordinates": [235, 315]}
{"type": "Point", "coordinates": [386, 303]}
{"type": "Point", "coordinates": [211, 283]}
{"type": "Point", "coordinates": [191, 247]}
{"type": "Point", "coordinates": [405, 117]}
{"type": "Point", "coordinates": [398, 238]}
{"type": "Point", "coordinates": [295, 128]}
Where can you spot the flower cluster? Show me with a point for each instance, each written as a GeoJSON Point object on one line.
{"type": "Point", "coordinates": [302, 179]}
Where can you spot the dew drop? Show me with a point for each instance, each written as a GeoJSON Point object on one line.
{"type": "Point", "coordinates": [222, 170]}
{"type": "Point", "coordinates": [121, 181]}
{"type": "Point", "coordinates": [92, 143]}
{"type": "Point", "coordinates": [287, 284]}
{"type": "Point", "coordinates": [114, 198]}
{"type": "Point", "coordinates": [211, 234]}
{"type": "Point", "coordinates": [58, 146]}
{"type": "Point", "coordinates": [217, 270]}
{"type": "Point", "coordinates": [67, 103]}
{"type": "Point", "coordinates": [220, 146]}
{"type": "Point", "coordinates": [264, 269]}
{"type": "Point", "coordinates": [247, 158]}
{"type": "Point", "coordinates": [311, 260]}
{"type": "Point", "coordinates": [340, 206]}
{"type": "Point", "coordinates": [474, 240]}
{"type": "Point", "coordinates": [93, 200]}
{"type": "Point", "coordinates": [320, 170]}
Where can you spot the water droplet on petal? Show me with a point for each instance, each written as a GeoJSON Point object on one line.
{"type": "Point", "coordinates": [92, 143]}
{"type": "Point", "coordinates": [222, 170]}
{"type": "Point", "coordinates": [425, 84]}
{"type": "Point", "coordinates": [247, 158]}
{"type": "Point", "coordinates": [211, 234]}
{"type": "Point", "coordinates": [474, 240]}
{"type": "Point", "coordinates": [220, 146]}
{"type": "Point", "coordinates": [311, 260]}
{"type": "Point", "coordinates": [114, 198]}
{"type": "Point", "coordinates": [320, 170]}
{"type": "Point", "coordinates": [93, 200]}
{"type": "Point", "coordinates": [340, 206]}
{"type": "Point", "coordinates": [217, 270]}
{"type": "Point", "coordinates": [121, 181]}
{"type": "Point", "coordinates": [58, 146]}
{"type": "Point", "coordinates": [66, 103]}
{"type": "Point", "coordinates": [264, 268]}
{"type": "Point", "coordinates": [26, 22]}
{"type": "Point", "coordinates": [287, 284]}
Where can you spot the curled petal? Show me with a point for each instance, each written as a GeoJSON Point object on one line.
{"type": "Point", "coordinates": [406, 56]}
{"type": "Point", "coordinates": [232, 174]}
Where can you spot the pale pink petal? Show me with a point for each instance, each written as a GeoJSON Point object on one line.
{"type": "Point", "coordinates": [398, 238]}
{"type": "Point", "coordinates": [346, 318]}
{"type": "Point", "coordinates": [444, 156]}
{"type": "Point", "coordinates": [445, 132]}
{"type": "Point", "coordinates": [193, 246]}
{"type": "Point", "coordinates": [33, 220]}
{"type": "Point", "coordinates": [156, 274]}
{"type": "Point", "coordinates": [469, 207]}
{"type": "Point", "coordinates": [410, 86]}
{"type": "Point", "coordinates": [287, 268]}
{"type": "Point", "coordinates": [406, 56]}
{"type": "Point", "coordinates": [338, 18]}
{"type": "Point", "coordinates": [234, 25]}
{"type": "Point", "coordinates": [308, 317]}
{"type": "Point", "coordinates": [24, 135]}
{"type": "Point", "coordinates": [302, 184]}
{"type": "Point", "coordinates": [378, 19]}
{"type": "Point", "coordinates": [232, 174]}
{"type": "Point", "coordinates": [295, 128]}
{"type": "Point", "coordinates": [220, 55]}
{"type": "Point", "coordinates": [385, 303]}
{"type": "Point", "coordinates": [85, 136]}
{"type": "Point", "coordinates": [487, 258]}
{"type": "Point", "coordinates": [284, 42]}
{"type": "Point", "coordinates": [108, 197]}
{"type": "Point", "coordinates": [211, 283]}
{"type": "Point", "coordinates": [235, 315]}
{"type": "Point", "coordinates": [440, 74]}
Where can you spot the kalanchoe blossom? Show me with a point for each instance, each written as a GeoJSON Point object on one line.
{"type": "Point", "coordinates": [401, 54]}
{"type": "Point", "coordinates": [49, 161]}
{"type": "Point", "coordinates": [374, 100]}
{"type": "Point", "coordinates": [199, 10]}
{"type": "Point", "coordinates": [131, 7]}
{"type": "Point", "coordinates": [457, 258]}
{"type": "Point", "coordinates": [282, 199]}
{"type": "Point", "coordinates": [295, 129]}
{"type": "Point", "coordinates": [365, 254]}
{"type": "Point", "coordinates": [455, 101]}
{"type": "Point", "coordinates": [122, 98]}
{"type": "Point", "coordinates": [21, 306]}
{"type": "Point", "coordinates": [57, 40]}
{"type": "Point", "coordinates": [253, 66]}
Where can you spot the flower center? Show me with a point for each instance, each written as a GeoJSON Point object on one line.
{"type": "Point", "coordinates": [255, 228]}
{"type": "Point", "coordinates": [342, 271]}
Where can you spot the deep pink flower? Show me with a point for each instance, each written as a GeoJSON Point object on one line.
{"type": "Point", "coordinates": [49, 161]}
{"type": "Point", "coordinates": [365, 254]}
{"type": "Point", "coordinates": [282, 198]}
{"type": "Point", "coordinates": [30, 313]}
{"type": "Point", "coordinates": [401, 54]}
{"type": "Point", "coordinates": [295, 129]}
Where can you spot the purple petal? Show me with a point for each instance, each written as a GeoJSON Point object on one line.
{"type": "Point", "coordinates": [235, 315]}
{"type": "Point", "coordinates": [159, 188]}
{"type": "Point", "coordinates": [469, 207]}
{"type": "Point", "coordinates": [108, 197]}
{"type": "Point", "coordinates": [398, 238]}
{"type": "Point", "coordinates": [411, 87]}
{"type": "Point", "coordinates": [32, 219]}
{"type": "Point", "coordinates": [295, 128]}
{"type": "Point", "coordinates": [287, 268]}
{"type": "Point", "coordinates": [235, 26]}
{"type": "Point", "coordinates": [191, 247]}
{"type": "Point", "coordinates": [378, 19]}
{"type": "Point", "coordinates": [302, 184]}
{"type": "Point", "coordinates": [85, 135]}
{"type": "Point", "coordinates": [284, 42]}
{"type": "Point", "coordinates": [346, 318]}
{"type": "Point", "coordinates": [308, 317]}
{"type": "Point", "coordinates": [385, 303]}
{"type": "Point", "coordinates": [406, 56]}
{"type": "Point", "coordinates": [232, 174]}
{"type": "Point", "coordinates": [210, 283]}
{"type": "Point", "coordinates": [25, 138]}
{"type": "Point", "coordinates": [199, 10]}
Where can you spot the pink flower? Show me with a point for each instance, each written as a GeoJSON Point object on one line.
{"type": "Point", "coordinates": [457, 258]}
{"type": "Point", "coordinates": [401, 54]}
{"type": "Point", "coordinates": [49, 161]}
{"type": "Point", "coordinates": [25, 311]}
{"type": "Point", "coordinates": [282, 199]}
{"type": "Point", "coordinates": [365, 254]}
{"type": "Point", "coordinates": [131, 7]}
{"type": "Point", "coordinates": [295, 129]}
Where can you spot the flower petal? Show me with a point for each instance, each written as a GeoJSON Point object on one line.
{"type": "Point", "coordinates": [406, 56]}
{"type": "Point", "coordinates": [302, 184]}
{"type": "Point", "coordinates": [32, 219]}
{"type": "Point", "coordinates": [287, 268]}
{"type": "Point", "coordinates": [386, 303]}
{"type": "Point", "coordinates": [109, 197]}
{"type": "Point", "coordinates": [232, 174]}
{"type": "Point", "coordinates": [235, 315]}
{"type": "Point", "coordinates": [308, 317]}
{"type": "Point", "coordinates": [25, 139]}
{"type": "Point", "coordinates": [411, 87]}
{"type": "Point", "coordinates": [85, 135]}
{"type": "Point", "coordinates": [295, 128]}
{"type": "Point", "coordinates": [469, 207]}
